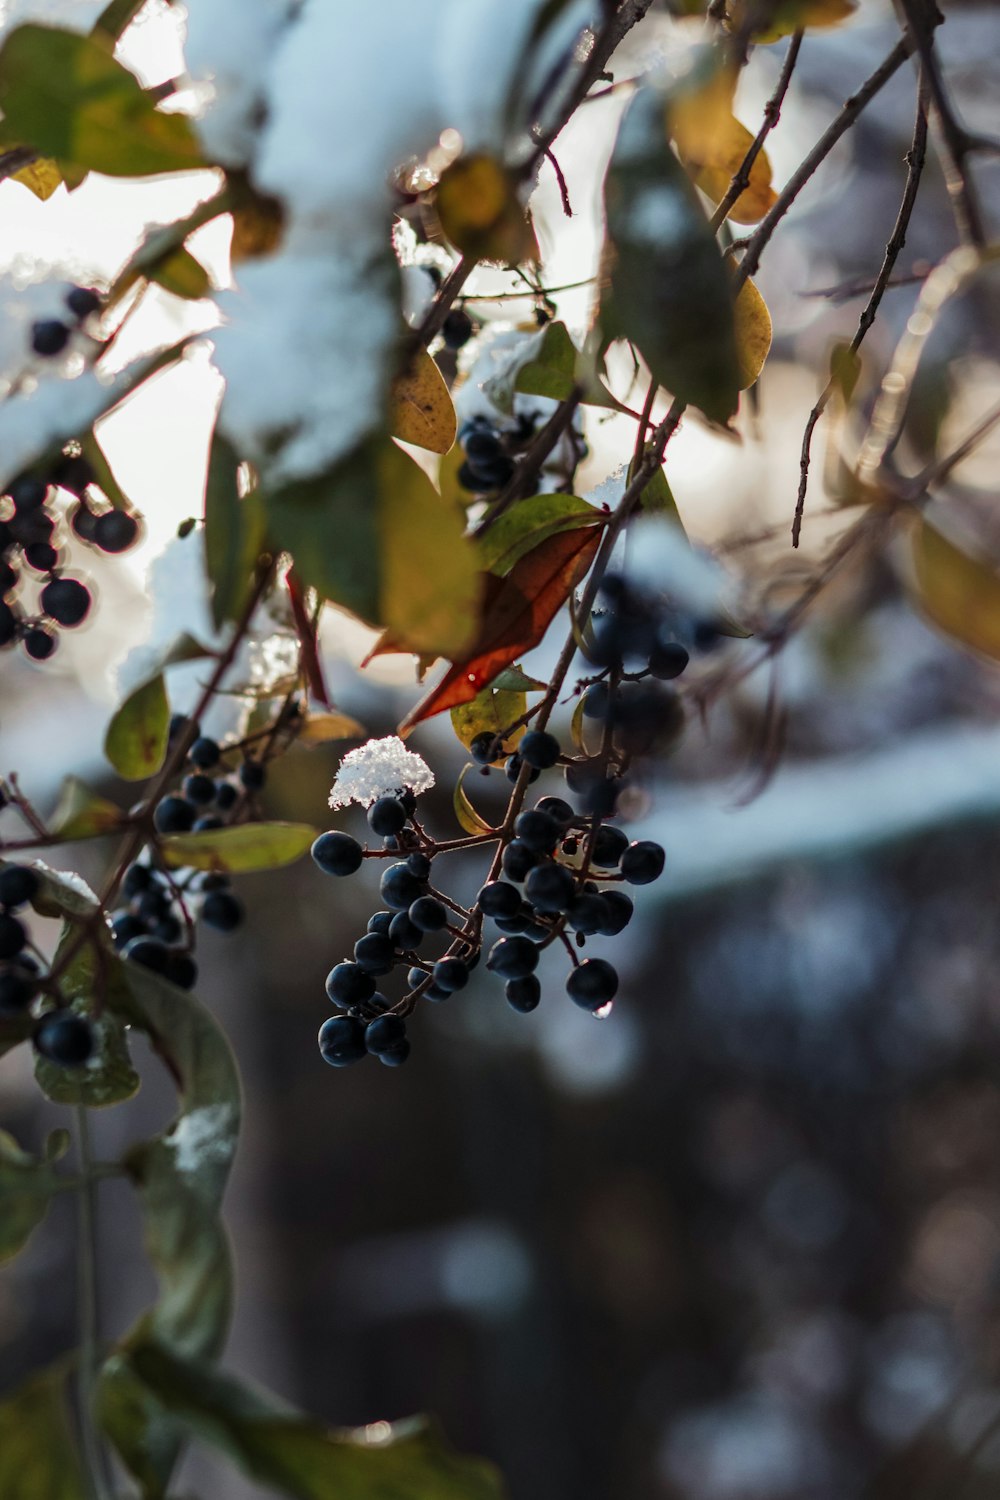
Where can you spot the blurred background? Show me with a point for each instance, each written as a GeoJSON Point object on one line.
{"type": "Point", "coordinates": [741, 1239]}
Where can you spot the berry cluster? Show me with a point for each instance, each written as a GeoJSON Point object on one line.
{"type": "Point", "coordinates": [557, 881]}
{"type": "Point", "coordinates": [30, 515]}
{"type": "Point", "coordinates": [59, 1035]}
{"type": "Point", "coordinates": [51, 336]}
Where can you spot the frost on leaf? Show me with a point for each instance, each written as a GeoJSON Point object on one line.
{"type": "Point", "coordinates": [375, 769]}
{"type": "Point", "coordinates": [203, 1138]}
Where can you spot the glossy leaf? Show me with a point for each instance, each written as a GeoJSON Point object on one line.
{"type": "Point", "coordinates": [517, 615]}
{"type": "Point", "coordinates": [712, 144]}
{"type": "Point", "coordinates": [26, 1187]}
{"type": "Point", "coordinates": [301, 1459]}
{"type": "Point", "coordinates": [81, 814]}
{"type": "Point", "coordinates": [960, 592]}
{"type": "Point", "coordinates": [480, 211]}
{"type": "Point", "coordinates": [753, 333]}
{"type": "Point", "coordinates": [657, 496]}
{"type": "Point", "coordinates": [38, 1457]}
{"type": "Point", "coordinates": [234, 536]}
{"type": "Point", "coordinates": [320, 729]}
{"type": "Point", "coordinates": [528, 523]}
{"type": "Point", "coordinates": [490, 711]}
{"type": "Point", "coordinates": [421, 408]}
{"type": "Point", "coordinates": [245, 847]}
{"type": "Point", "coordinates": [670, 293]}
{"type": "Point", "coordinates": [466, 814]}
{"type": "Point", "coordinates": [549, 364]}
{"type": "Point", "coordinates": [67, 95]}
{"type": "Point", "coordinates": [136, 740]}
{"type": "Point", "coordinates": [41, 177]}
{"type": "Point", "coordinates": [516, 680]}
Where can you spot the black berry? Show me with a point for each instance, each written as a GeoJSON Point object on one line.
{"type": "Point", "coordinates": [513, 957]}
{"type": "Point", "coordinates": [18, 885]}
{"type": "Point", "coordinates": [386, 816]}
{"type": "Point", "coordinates": [204, 753]}
{"type": "Point", "coordinates": [550, 888]}
{"type": "Point", "coordinates": [252, 775]}
{"type": "Point", "coordinates": [349, 984]}
{"type": "Point", "coordinates": [64, 1038]}
{"type": "Point", "coordinates": [150, 952]}
{"type": "Point", "coordinates": [222, 910]}
{"type": "Point", "coordinates": [592, 984]}
{"type": "Point", "coordinates": [12, 935]}
{"type": "Point", "coordinates": [49, 337]}
{"type": "Point", "coordinates": [457, 328]}
{"type": "Point", "coordinates": [375, 953]}
{"type": "Point", "coordinates": [498, 899]}
{"type": "Point", "coordinates": [82, 301]}
{"type": "Point", "coordinates": [609, 846]}
{"type": "Point", "coordinates": [115, 531]}
{"type": "Point", "coordinates": [428, 914]}
{"type": "Point", "coordinates": [384, 1033]}
{"type": "Point", "coordinates": [173, 815]}
{"type": "Point", "coordinates": [400, 887]}
{"type": "Point", "coordinates": [450, 974]}
{"type": "Point", "coordinates": [66, 600]}
{"type": "Point", "coordinates": [337, 853]}
{"type": "Point", "coordinates": [341, 1041]}
{"type": "Point", "coordinates": [642, 862]}
{"type": "Point", "coordinates": [539, 749]}
{"type": "Point", "coordinates": [523, 994]}
{"type": "Point", "coordinates": [537, 830]}
{"type": "Point", "coordinates": [39, 643]}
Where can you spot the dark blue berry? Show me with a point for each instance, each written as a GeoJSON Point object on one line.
{"type": "Point", "coordinates": [349, 984]}
{"type": "Point", "coordinates": [227, 795]}
{"type": "Point", "coordinates": [137, 878]}
{"type": "Point", "coordinates": [428, 914]}
{"type": "Point", "coordinates": [587, 914]}
{"type": "Point", "coordinates": [523, 994]}
{"type": "Point", "coordinates": [618, 911]}
{"type": "Point", "coordinates": [222, 910]}
{"type": "Point", "coordinates": [399, 887]}
{"type": "Point", "coordinates": [642, 862]}
{"type": "Point", "coordinates": [513, 768]}
{"type": "Point", "coordinates": [537, 830]}
{"type": "Point", "coordinates": [341, 1041]}
{"type": "Point", "coordinates": [149, 952]}
{"type": "Point", "coordinates": [375, 953]}
{"type": "Point", "coordinates": [667, 660]}
{"type": "Point", "coordinates": [43, 557]}
{"type": "Point", "coordinates": [181, 969]}
{"type": "Point", "coordinates": [556, 808]}
{"type": "Point", "coordinates": [12, 935]}
{"type": "Point", "coordinates": [173, 815]}
{"type": "Point", "coordinates": [19, 884]}
{"type": "Point", "coordinates": [513, 957]}
{"type": "Point", "coordinates": [199, 789]}
{"type": "Point", "coordinates": [499, 899]}
{"type": "Point", "coordinates": [450, 974]}
{"type": "Point", "coordinates": [49, 337]}
{"type": "Point", "coordinates": [253, 775]}
{"type": "Point", "coordinates": [395, 1057]}
{"type": "Point", "coordinates": [485, 749]}
{"type": "Point", "coordinates": [115, 531]}
{"type": "Point", "coordinates": [337, 853]}
{"type": "Point", "coordinates": [457, 328]}
{"type": "Point", "coordinates": [518, 859]}
{"type": "Point", "coordinates": [208, 823]}
{"type": "Point", "coordinates": [39, 643]}
{"type": "Point", "coordinates": [404, 932]}
{"type": "Point", "coordinates": [152, 904]}
{"type": "Point", "coordinates": [519, 922]}
{"type": "Point", "coordinates": [204, 753]}
{"type": "Point", "coordinates": [168, 929]}
{"type": "Point", "coordinates": [27, 492]}
{"type": "Point", "coordinates": [386, 816]}
{"type": "Point", "coordinates": [18, 987]}
{"type": "Point", "coordinates": [550, 888]}
{"type": "Point", "coordinates": [592, 984]}
{"type": "Point", "coordinates": [64, 1038]}
{"type": "Point", "coordinates": [609, 846]}
{"type": "Point", "coordinates": [73, 472]}
{"type": "Point", "coordinates": [66, 601]}
{"type": "Point", "coordinates": [382, 1034]}
{"type": "Point", "coordinates": [483, 446]}
{"type": "Point", "coordinates": [82, 301]}
{"type": "Point", "coordinates": [420, 864]}
{"type": "Point", "coordinates": [379, 921]}
{"type": "Point", "coordinates": [539, 749]}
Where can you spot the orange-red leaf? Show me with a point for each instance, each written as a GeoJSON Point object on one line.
{"type": "Point", "coordinates": [518, 611]}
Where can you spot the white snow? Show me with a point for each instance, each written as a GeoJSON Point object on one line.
{"type": "Point", "coordinates": [377, 768]}
{"type": "Point", "coordinates": [229, 44]}
{"type": "Point", "coordinates": [205, 1137]}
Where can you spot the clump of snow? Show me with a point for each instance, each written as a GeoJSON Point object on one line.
{"type": "Point", "coordinates": [204, 1138]}
{"type": "Point", "coordinates": [659, 556]}
{"type": "Point", "coordinates": [47, 412]}
{"type": "Point", "coordinates": [378, 768]}
{"type": "Point", "coordinates": [229, 44]}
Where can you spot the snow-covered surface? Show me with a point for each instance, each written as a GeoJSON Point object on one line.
{"type": "Point", "coordinates": [71, 15]}
{"type": "Point", "coordinates": [379, 767]}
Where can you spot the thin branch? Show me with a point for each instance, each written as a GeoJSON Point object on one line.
{"type": "Point", "coordinates": [772, 114]}
{"type": "Point", "coordinates": [846, 291]}
{"type": "Point", "coordinates": [942, 467]}
{"type": "Point", "coordinates": [915, 158]}
{"type": "Point", "coordinates": [567, 206]}
{"type": "Point", "coordinates": [531, 462]}
{"type": "Point", "coordinates": [15, 160]}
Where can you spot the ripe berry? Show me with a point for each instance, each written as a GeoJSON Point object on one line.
{"type": "Point", "coordinates": [592, 984]}
{"type": "Point", "coordinates": [137, 878]}
{"type": "Point", "coordinates": [18, 885]}
{"type": "Point", "coordinates": [226, 796]}
{"type": "Point", "coordinates": [66, 600]}
{"type": "Point", "coordinates": [519, 922]}
{"type": "Point", "coordinates": [27, 492]}
{"type": "Point", "coordinates": [379, 921]}
{"type": "Point", "coordinates": [82, 301]}
{"type": "Point", "coordinates": [115, 531]}
{"type": "Point", "coordinates": [400, 887]}
{"type": "Point", "coordinates": [668, 660]}
{"type": "Point", "coordinates": [375, 953]}
{"type": "Point", "coordinates": [64, 1038]}
{"type": "Point", "coordinates": [609, 846]}
{"type": "Point", "coordinates": [485, 749]}
{"type": "Point", "coordinates": [386, 816]}
{"type": "Point", "coordinates": [49, 337]}
{"type": "Point", "coordinates": [518, 859]}
{"type": "Point", "coordinates": [618, 911]}
{"type": "Point", "coordinates": [513, 957]}
{"type": "Point", "coordinates": [538, 830]}
{"type": "Point", "coordinates": [153, 904]}
{"type": "Point", "coordinates": [222, 910]}
{"type": "Point", "coordinates": [29, 527]}
{"type": "Point", "coordinates": [539, 749]}
{"type": "Point", "coordinates": [83, 522]}
{"type": "Point", "coordinates": [457, 328]}
{"type": "Point", "coordinates": [18, 987]}
{"type": "Point", "coordinates": [450, 974]}
{"type": "Point", "coordinates": [587, 914]}
{"type": "Point", "coordinates": [39, 643]}
{"type": "Point", "coordinates": [207, 824]}
{"type": "Point", "coordinates": [73, 472]}
{"type": "Point", "coordinates": [341, 1041]}
{"type": "Point", "coordinates": [512, 769]}
{"type": "Point", "coordinates": [596, 701]}
{"type": "Point", "coordinates": [382, 1034]}
{"type": "Point", "coordinates": [643, 862]}
{"type": "Point", "coordinates": [199, 789]}
{"type": "Point", "coordinates": [337, 853]}
{"type": "Point", "coordinates": [204, 753]}
{"type": "Point", "coordinates": [148, 951]}
{"type": "Point", "coordinates": [168, 929]}
{"type": "Point", "coordinates": [396, 1056]}
{"type": "Point", "coordinates": [483, 446]}
{"type": "Point", "coordinates": [428, 914]}
{"type": "Point", "coordinates": [349, 984]}
{"type": "Point", "coordinates": [181, 969]}
{"type": "Point", "coordinates": [556, 808]}
{"type": "Point", "coordinates": [12, 936]}
{"type": "Point", "coordinates": [8, 624]}
{"type": "Point", "coordinates": [706, 635]}
{"type": "Point", "coordinates": [420, 864]}
{"type": "Point", "coordinates": [252, 775]}
{"type": "Point", "coordinates": [173, 815]}
{"type": "Point", "coordinates": [498, 899]}
{"type": "Point", "coordinates": [404, 933]}
{"type": "Point", "coordinates": [43, 557]}
{"type": "Point", "coordinates": [125, 927]}
{"type": "Point", "coordinates": [550, 888]}
{"type": "Point", "coordinates": [523, 994]}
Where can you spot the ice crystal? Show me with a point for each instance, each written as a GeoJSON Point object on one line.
{"type": "Point", "coordinates": [377, 768]}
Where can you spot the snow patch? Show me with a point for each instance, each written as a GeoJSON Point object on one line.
{"type": "Point", "coordinates": [204, 1138]}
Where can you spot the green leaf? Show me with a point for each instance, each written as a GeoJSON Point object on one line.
{"type": "Point", "coordinates": [67, 96]}
{"type": "Point", "coordinates": [81, 814]}
{"type": "Point", "coordinates": [516, 680]}
{"type": "Point", "coordinates": [489, 712]}
{"type": "Point", "coordinates": [466, 814]}
{"type": "Point", "coordinates": [38, 1458]}
{"type": "Point", "coordinates": [248, 846]}
{"type": "Point", "coordinates": [136, 741]}
{"type": "Point", "coordinates": [375, 537]}
{"type": "Point", "coordinates": [548, 364]}
{"type": "Point", "coordinates": [26, 1187]}
{"type": "Point", "coordinates": [108, 1077]}
{"type": "Point", "coordinates": [670, 292]}
{"type": "Point", "coordinates": [530, 522]}
{"type": "Point", "coordinates": [105, 478]}
{"type": "Point", "coordinates": [299, 1458]}
{"type": "Point", "coordinates": [657, 496]}
{"type": "Point", "coordinates": [180, 273]}
{"type": "Point", "coordinates": [116, 16]}
{"type": "Point", "coordinates": [234, 533]}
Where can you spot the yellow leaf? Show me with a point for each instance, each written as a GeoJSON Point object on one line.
{"type": "Point", "coordinates": [258, 225]}
{"type": "Point", "coordinates": [42, 177]}
{"type": "Point", "coordinates": [959, 592]}
{"type": "Point", "coordinates": [466, 814]}
{"type": "Point", "coordinates": [753, 333]}
{"type": "Point", "coordinates": [421, 410]}
{"type": "Point", "coordinates": [319, 729]}
{"type": "Point", "coordinates": [481, 213]}
{"type": "Point", "coordinates": [781, 17]}
{"type": "Point", "coordinates": [712, 144]}
{"type": "Point", "coordinates": [490, 712]}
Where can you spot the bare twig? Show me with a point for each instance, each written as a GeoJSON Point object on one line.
{"type": "Point", "coordinates": [772, 113]}
{"type": "Point", "coordinates": [915, 159]}
{"type": "Point", "coordinates": [15, 160]}
{"type": "Point", "coordinates": [567, 206]}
